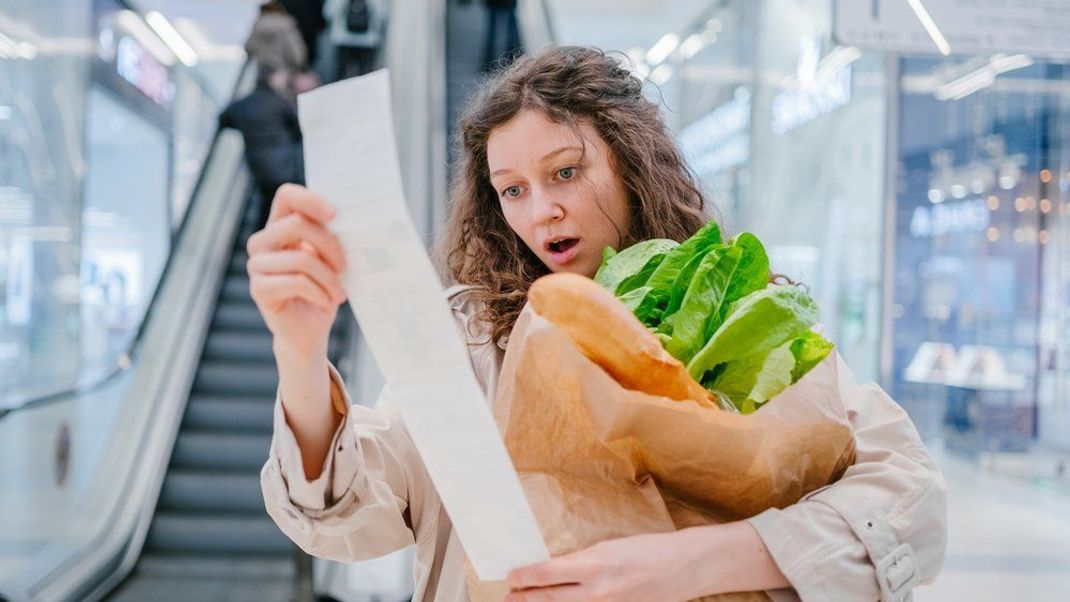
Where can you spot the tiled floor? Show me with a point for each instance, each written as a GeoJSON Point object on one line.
{"type": "Point", "coordinates": [1009, 540]}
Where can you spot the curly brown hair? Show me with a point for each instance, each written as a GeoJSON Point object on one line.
{"type": "Point", "coordinates": [568, 84]}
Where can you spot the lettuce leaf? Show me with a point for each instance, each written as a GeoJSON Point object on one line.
{"type": "Point", "coordinates": [700, 311]}
{"type": "Point", "coordinates": [752, 275]}
{"type": "Point", "coordinates": [754, 380]}
{"type": "Point", "coordinates": [809, 350]}
{"type": "Point", "coordinates": [629, 269]}
{"type": "Point", "coordinates": [775, 375]}
{"type": "Point", "coordinates": [756, 324]}
{"type": "Point", "coordinates": [645, 303]}
{"type": "Point", "coordinates": [666, 276]}
{"type": "Point", "coordinates": [736, 379]}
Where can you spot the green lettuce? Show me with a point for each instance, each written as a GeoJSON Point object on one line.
{"type": "Point", "coordinates": [756, 323]}
{"type": "Point", "coordinates": [710, 305]}
{"type": "Point", "coordinates": [674, 274]}
{"type": "Point", "coordinates": [629, 269]}
{"type": "Point", "coordinates": [809, 350]}
{"type": "Point", "coordinates": [645, 303]}
{"type": "Point", "coordinates": [752, 275]}
{"type": "Point", "coordinates": [700, 311]}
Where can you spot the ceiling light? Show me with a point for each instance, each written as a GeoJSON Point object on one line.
{"type": "Point", "coordinates": [930, 27]}
{"type": "Point", "coordinates": [982, 77]}
{"type": "Point", "coordinates": [660, 74]}
{"type": "Point", "coordinates": [172, 38]}
{"type": "Point", "coordinates": [1002, 63]}
{"type": "Point", "coordinates": [663, 48]}
{"type": "Point", "coordinates": [132, 23]}
{"type": "Point", "coordinates": [692, 45]}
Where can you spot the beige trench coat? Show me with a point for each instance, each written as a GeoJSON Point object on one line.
{"type": "Point", "coordinates": [873, 535]}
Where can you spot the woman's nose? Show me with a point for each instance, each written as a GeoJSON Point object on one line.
{"type": "Point", "coordinates": [546, 208]}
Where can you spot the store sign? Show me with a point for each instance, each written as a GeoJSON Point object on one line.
{"type": "Point", "coordinates": [950, 218]}
{"type": "Point", "coordinates": [969, 26]}
{"type": "Point", "coordinates": [720, 139]}
{"type": "Point", "coordinates": [814, 94]}
{"type": "Point", "coordinates": [140, 69]}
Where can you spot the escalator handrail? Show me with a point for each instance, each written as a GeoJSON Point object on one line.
{"type": "Point", "coordinates": [123, 360]}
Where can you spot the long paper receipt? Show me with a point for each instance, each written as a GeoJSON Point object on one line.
{"type": "Point", "coordinates": [351, 160]}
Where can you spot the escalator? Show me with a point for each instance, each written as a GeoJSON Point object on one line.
{"type": "Point", "coordinates": [143, 484]}
{"type": "Point", "coordinates": [210, 538]}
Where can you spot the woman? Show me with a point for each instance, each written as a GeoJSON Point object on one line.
{"type": "Point", "coordinates": [561, 156]}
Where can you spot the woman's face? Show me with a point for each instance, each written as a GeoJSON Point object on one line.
{"type": "Point", "coordinates": [565, 203]}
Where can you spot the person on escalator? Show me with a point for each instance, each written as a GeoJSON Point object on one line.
{"type": "Point", "coordinates": [356, 29]}
{"type": "Point", "coordinates": [501, 42]}
{"type": "Point", "coordinates": [275, 41]}
{"type": "Point", "coordinates": [267, 120]}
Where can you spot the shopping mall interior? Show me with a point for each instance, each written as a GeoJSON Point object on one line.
{"type": "Point", "coordinates": [903, 160]}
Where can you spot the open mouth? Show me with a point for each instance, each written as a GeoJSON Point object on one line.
{"type": "Point", "coordinates": [562, 245]}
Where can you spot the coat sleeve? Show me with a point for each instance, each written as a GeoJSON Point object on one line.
{"type": "Point", "coordinates": [373, 497]}
{"type": "Point", "coordinates": [878, 531]}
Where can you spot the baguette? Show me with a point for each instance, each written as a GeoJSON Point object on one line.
{"type": "Point", "coordinates": [609, 335]}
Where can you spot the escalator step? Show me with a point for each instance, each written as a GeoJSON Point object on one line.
{"type": "Point", "coordinates": [213, 567]}
{"type": "Point", "coordinates": [231, 315]}
{"type": "Point", "coordinates": [183, 577]}
{"type": "Point", "coordinates": [235, 288]}
{"type": "Point", "coordinates": [220, 452]}
{"type": "Point", "coordinates": [176, 533]}
{"type": "Point", "coordinates": [252, 346]}
{"type": "Point", "coordinates": [182, 589]}
{"type": "Point", "coordinates": [237, 378]}
{"type": "Point", "coordinates": [236, 414]}
{"type": "Point", "coordinates": [240, 346]}
{"type": "Point", "coordinates": [198, 492]}
{"type": "Point", "coordinates": [238, 264]}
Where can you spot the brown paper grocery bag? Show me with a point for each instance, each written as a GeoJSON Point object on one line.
{"type": "Point", "coordinates": [598, 461]}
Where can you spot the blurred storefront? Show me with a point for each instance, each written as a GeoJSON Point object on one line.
{"type": "Point", "coordinates": [105, 120]}
{"type": "Point", "coordinates": [923, 199]}
{"type": "Point", "coordinates": [980, 330]}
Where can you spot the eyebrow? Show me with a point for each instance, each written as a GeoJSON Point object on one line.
{"type": "Point", "coordinates": [548, 155]}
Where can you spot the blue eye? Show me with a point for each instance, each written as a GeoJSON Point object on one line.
{"type": "Point", "coordinates": [512, 192]}
{"type": "Point", "coordinates": [566, 173]}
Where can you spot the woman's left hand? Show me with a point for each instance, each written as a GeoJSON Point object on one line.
{"type": "Point", "coordinates": [638, 568]}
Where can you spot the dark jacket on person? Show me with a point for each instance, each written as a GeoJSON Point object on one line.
{"type": "Point", "coordinates": [268, 123]}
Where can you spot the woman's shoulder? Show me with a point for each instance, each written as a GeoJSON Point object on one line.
{"type": "Point", "coordinates": [461, 298]}
{"type": "Point", "coordinates": [486, 356]}
{"type": "Point", "coordinates": [467, 304]}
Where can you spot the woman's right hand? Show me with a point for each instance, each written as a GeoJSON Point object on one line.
{"type": "Point", "coordinates": [295, 267]}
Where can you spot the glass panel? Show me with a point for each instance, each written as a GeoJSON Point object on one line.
{"type": "Point", "coordinates": [980, 192]}
{"type": "Point", "coordinates": [126, 236]}
{"type": "Point", "coordinates": [43, 75]}
{"type": "Point", "coordinates": [786, 132]}
{"type": "Point", "coordinates": [102, 137]}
